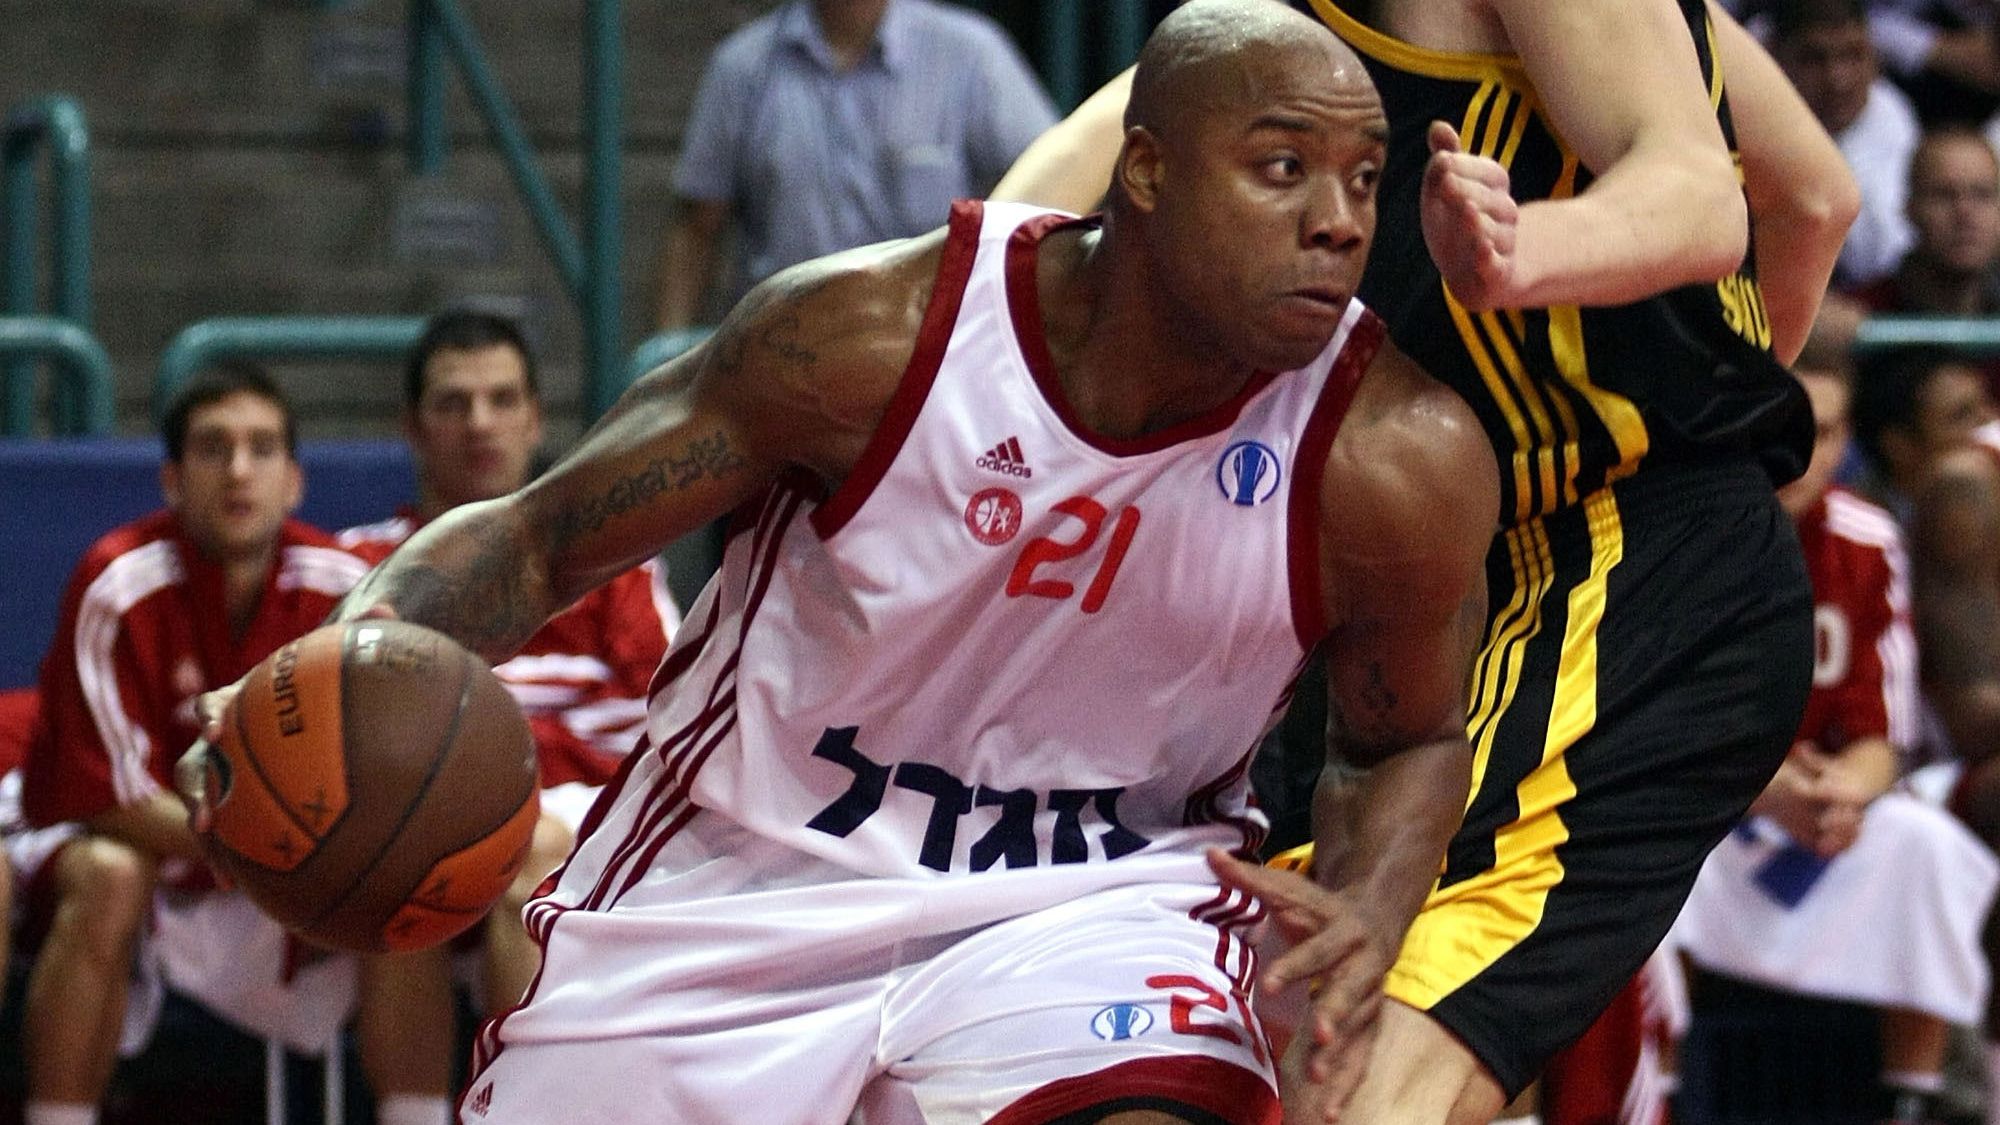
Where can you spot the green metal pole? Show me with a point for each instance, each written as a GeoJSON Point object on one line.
{"type": "Point", "coordinates": [603, 292]}
{"type": "Point", "coordinates": [17, 201]}
{"type": "Point", "coordinates": [1979, 335]}
{"type": "Point", "coordinates": [81, 364]}
{"type": "Point", "coordinates": [426, 140]}
{"type": "Point", "coordinates": [1062, 50]}
{"type": "Point", "coordinates": [493, 105]}
{"type": "Point", "coordinates": [277, 337]}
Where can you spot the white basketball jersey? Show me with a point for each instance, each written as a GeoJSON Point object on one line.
{"type": "Point", "coordinates": [1006, 647]}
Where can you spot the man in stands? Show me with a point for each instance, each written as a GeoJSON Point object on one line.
{"type": "Point", "coordinates": [473, 417]}
{"type": "Point", "coordinates": [1841, 885]}
{"type": "Point", "coordinates": [157, 612]}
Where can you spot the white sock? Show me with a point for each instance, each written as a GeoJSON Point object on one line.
{"type": "Point", "coordinates": [1923, 1082]}
{"type": "Point", "coordinates": [58, 1113]}
{"type": "Point", "coordinates": [409, 1109]}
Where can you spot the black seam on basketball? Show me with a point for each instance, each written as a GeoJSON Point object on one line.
{"type": "Point", "coordinates": [277, 795]}
{"type": "Point", "coordinates": [438, 755]}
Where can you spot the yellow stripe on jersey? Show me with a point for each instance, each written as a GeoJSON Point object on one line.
{"type": "Point", "coordinates": [1499, 666]}
{"type": "Point", "coordinates": [1614, 411]}
{"type": "Point", "coordinates": [1415, 59]}
{"type": "Point", "coordinates": [1714, 66]}
{"type": "Point", "coordinates": [1468, 926]}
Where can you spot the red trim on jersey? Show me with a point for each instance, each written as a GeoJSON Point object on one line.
{"type": "Point", "coordinates": [1309, 470]}
{"type": "Point", "coordinates": [1024, 305]}
{"type": "Point", "coordinates": [1229, 1091]}
{"type": "Point", "coordinates": [961, 247]}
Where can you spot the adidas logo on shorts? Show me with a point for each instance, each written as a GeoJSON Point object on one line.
{"type": "Point", "coordinates": [1007, 458]}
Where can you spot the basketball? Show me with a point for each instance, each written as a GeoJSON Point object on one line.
{"type": "Point", "coordinates": [374, 787]}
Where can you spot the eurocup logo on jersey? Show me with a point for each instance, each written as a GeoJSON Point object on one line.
{"type": "Point", "coordinates": [1122, 1021]}
{"type": "Point", "coordinates": [1248, 473]}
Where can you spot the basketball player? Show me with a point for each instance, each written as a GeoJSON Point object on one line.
{"type": "Point", "coordinates": [157, 612]}
{"type": "Point", "coordinates": [472, 412]}
{"type": "Point", "coordinates": [1564, 243]}
{"type": "Point", "coordinates": [1037, 518]}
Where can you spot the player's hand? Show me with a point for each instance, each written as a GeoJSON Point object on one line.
{"type": "Point", "coordinates": [192, 773]}
{"type": "Point", "coordinates": [1334, 951]}
{"type": "Point", "coordinates": [1841, 799]}
{"type": "Point", "coordinates": [1791, 800]}
{"type": "Point", "coordinates": [1470, 221]}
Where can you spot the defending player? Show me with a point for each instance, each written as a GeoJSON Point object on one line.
{"type": "Point", "coordinates": [1564, 243]}
{"type": "Point", "coordinates": [1037, 519]}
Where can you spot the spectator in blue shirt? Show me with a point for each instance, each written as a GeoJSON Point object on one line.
{"type": "Point", "coordinates": [830, 124]}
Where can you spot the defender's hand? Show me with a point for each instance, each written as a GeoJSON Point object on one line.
{"type": "Point", "coordinates": [1470, 221]}
{"type": "Point", "coordinates": [1333, 950]}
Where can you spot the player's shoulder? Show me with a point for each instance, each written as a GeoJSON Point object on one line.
{"type": "Point", "coordinates": [144, 550]}
{"type": "Point", "coordinates": [311, 559]}
{"type": "Point", "coordinates": [952, 23]}
{"type": "Point", "coordinates": [1860, 521]}
{"type": "Point", "coordinates": [1410, 470]}
{"type": "Point", "coordinates": [375, 541]}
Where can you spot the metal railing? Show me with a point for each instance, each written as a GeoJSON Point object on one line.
{"type": "Point", "coordinates": [591, 267]}
{"type": "Point", "coordinates": [54, 123]}
{"type": "Point", "coordinates": [82, 368]}
{"type": "Point", "coordinates": [280, 337]}
{"type": "Point", "coordinates": [1966, 333]}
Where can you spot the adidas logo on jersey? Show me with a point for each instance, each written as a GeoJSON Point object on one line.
{"type": "Point", "coordinates": [1007, 458]}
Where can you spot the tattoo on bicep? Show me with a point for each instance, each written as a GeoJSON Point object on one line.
{"type": "Point", "coordinates": [1365, 729]}
{"type": "Point", "coordinates": [704, 458]}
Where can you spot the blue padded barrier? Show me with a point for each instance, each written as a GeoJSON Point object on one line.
{"type": "Point", "coordinates": [58, 495]}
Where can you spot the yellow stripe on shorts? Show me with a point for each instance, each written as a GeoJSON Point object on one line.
{"type": "Point", "coordinates": [1466, 927]}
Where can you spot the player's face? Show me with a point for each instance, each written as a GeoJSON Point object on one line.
{"type": "Point", "coordinates": [1832, 66]}
{"type": "Point", "coordinates": [476, 428]}
{"type": "Point", "coordinates": [1267, 208]}
{"type": "Point", "coordinates": [1829, 397]}
{"type": "Point", "coordinates": [235, 482]}
{"type": "Point", "coordinates": [1952, 404]}
{"type": "Point", "coordinates": [1955, 203]}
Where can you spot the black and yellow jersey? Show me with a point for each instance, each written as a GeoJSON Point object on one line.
{"type": "Point", "coordinates": [1572, 398]}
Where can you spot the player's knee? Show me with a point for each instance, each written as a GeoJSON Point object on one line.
{"type": "Point", "coordinates": [550, 846]}
{"type": "Point", "coordinates": [106, 890]}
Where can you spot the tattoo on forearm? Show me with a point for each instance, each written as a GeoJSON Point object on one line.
{"type": "Point", "coordinates": [709, 458]}
{"type": "Point", "coordinates": [490, 601]}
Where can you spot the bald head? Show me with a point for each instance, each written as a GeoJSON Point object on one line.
{"type": "Point", "coordinates": [1206, 53]}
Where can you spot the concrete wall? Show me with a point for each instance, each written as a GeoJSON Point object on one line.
{"type": "Point", "coordinates": [247, 159]}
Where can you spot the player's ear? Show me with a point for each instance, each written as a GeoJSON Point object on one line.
{"type": "Point", "coordinates": [170, 482]}
{"type": "Point", "coordinates": [295, 486]}
{"type": "Point", "coordinates": [1140, 168]}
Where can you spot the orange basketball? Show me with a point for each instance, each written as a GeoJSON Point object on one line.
{"type": "Point", "coordinates": [374, 787]}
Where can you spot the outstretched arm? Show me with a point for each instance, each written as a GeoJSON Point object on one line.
{"type": "Point", "coordinates": [1068, 167]}
{"type": "Point", "coordinates": [1620, 80]}
{"type": "Point", "coordinates": [1411, 501]}
{"type": "Point", "coordinates": [797, 375]}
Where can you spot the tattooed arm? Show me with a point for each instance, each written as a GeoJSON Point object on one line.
{"type": "Point", "coordinates": [796, 377]}
{"type": "Point", "coordinates": [1955, 554]}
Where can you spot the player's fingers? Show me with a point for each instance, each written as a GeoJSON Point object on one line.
{"type": "Point", "coordinates": [380, 611]}
{"type": "Point", "coordinates": [191, 784]}
{"type": "Point", "coordinates": [1318, 956]}
{"type": "Point", "coordinates": [1278, 890]}
{"type": "Point", "coordinates": [1442, 137]}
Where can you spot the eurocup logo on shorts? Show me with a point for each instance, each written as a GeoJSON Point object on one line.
{"type": "Point", "coordinates": [1248, 473]}
{"type": "Point", "coordinates": [1122, 1021]}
